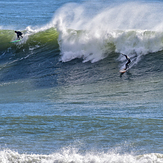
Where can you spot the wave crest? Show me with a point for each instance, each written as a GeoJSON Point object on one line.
{"type": "Point", "coordinates": [129, 27]}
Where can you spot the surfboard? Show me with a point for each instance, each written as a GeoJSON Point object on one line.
{"type": "Point", "coordinates": [15, 41]}
{"type": "Point", "coordinates": [122, 71]}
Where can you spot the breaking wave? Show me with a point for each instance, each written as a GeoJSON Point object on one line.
{"type": "Point", "coordinates": [69, 156]}
{"type": "Point", "coordinates": [92, 33]}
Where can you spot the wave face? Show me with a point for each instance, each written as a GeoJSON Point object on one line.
{"type": "Point", "coordinates": [31, 38]}
{"type": "Point", "coordinates": [82, 44]}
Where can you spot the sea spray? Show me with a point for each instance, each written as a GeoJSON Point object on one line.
{"type": "Point", "coordinates": [92, 34]}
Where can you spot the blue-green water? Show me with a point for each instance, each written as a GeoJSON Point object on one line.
{"type": "Point", "coordinates": [62, 97]}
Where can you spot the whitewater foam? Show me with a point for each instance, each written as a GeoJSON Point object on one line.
{"type": "Point", "coordinates": [95, 33]}
{"type": "Point", "coordinates": [73, 156]}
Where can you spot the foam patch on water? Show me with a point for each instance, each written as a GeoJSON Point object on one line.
{"type": "Point", "coordinates": [69, 156]}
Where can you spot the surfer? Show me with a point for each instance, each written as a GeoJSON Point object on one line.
{"type": "Point", "coordinates": [128, 62]}
{"type": "Point", "coordinates": [18, 34]}
{"type": "Point", "coordinates": [126, 65]}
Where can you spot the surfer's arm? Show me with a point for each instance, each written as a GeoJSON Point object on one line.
{"type": "Point", "coordinates": [127, 57]}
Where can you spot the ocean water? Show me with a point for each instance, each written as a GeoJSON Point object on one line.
{"type": "Point", "coordinates": [62, 98]}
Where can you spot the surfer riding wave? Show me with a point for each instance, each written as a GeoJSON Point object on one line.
{"type": "Point", "coordinates": [128, 62]}
{"type": "Point", "coordinates": [126, 65]}
{"type": "Point", "coordinates": [19, 34]}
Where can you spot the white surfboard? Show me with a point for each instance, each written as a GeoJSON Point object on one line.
{"type": "Point", "coordinates": [122, 71]}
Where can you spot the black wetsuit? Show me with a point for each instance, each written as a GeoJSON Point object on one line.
{"type": "Point", "coordinates": [18, 34]}
{"type": "Point", "coordinates": [128, 62]}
